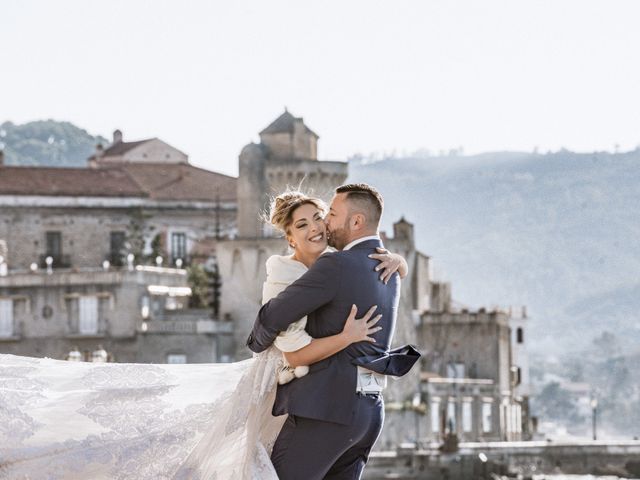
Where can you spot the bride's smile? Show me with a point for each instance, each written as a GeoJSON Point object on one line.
{"type": "Point", "coordinates": [307, 234]}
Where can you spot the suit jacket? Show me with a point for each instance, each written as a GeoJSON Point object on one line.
{"type": "Point", "coordinates": [325, 294]}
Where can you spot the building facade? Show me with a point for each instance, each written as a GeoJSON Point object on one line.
{"type": "Point", "coordinates": [87, 256]}
{"type": "Point", "coordinates": [136, 315]}
{"type": "Point", "coordinates": [468, 380]}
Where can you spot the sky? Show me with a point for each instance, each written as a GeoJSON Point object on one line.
{"type": "Point", "coordinates": [368, 76]}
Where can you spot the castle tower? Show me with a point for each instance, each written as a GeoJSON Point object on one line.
{"type": "Point", "coordinates": [288, 138]}
{"type": "Point", "coordinates": [286, 157]}
{"type": "Point", "coordinates": [252, 197]}
{"type": "Point", "coordinates": [403, 230]}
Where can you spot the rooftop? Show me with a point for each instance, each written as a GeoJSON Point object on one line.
{"type": "Point", "coordinates": [285, 124]}
{"type": "Point", "coordinates": [155, 181]}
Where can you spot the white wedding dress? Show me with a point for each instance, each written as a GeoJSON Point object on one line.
{"type": "Point", "coordinates": [68, 420]}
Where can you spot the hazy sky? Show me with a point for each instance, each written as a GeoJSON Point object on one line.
{"type": "Point", "coordinates": [367, 76]}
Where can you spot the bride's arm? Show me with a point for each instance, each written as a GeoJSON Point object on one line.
{"type": "Point", "coordinates": [355, 330]}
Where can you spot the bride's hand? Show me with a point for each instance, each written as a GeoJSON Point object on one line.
{"type": "Point", "coordinates": [359, 329]}
{"type": "Point", "coordinates": [390, 263]}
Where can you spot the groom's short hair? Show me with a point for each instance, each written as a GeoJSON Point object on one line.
{"type": "Point", "coordinates": [365, 198]}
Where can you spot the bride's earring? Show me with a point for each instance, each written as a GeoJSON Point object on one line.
{"type": "Point", "coordinates": [292, 245]}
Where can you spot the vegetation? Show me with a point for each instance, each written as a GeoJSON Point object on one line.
{"type": "Point", "coordinates": [47, 143]}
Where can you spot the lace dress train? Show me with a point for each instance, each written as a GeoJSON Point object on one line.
{"type": "Point", "coordinates": [66, 420]}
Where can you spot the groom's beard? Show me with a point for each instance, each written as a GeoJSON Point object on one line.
{"type": "Point", "coordinates": [338, 237]}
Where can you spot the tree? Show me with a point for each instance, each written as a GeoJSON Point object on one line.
{"type": "Point", "coordinates": [136, 233]}
{"type": "Point", "coordinates": [198, 280]}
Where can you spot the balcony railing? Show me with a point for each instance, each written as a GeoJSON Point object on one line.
{"type": "Point", "coordinates": [117, 259]}
{"type": "Point", "coordinates": [59, 261]}
{"type": "Point", "coordinates": [186, 261]}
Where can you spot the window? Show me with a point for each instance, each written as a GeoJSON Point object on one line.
{"type": "Point", "coordinates": [88, 315]}
{"type": "Point", "coordinates": [520, 335]}
{"type": "Point", "coordinates": [176, 358]}
{"type": "Point", "coordinates": [486, 416]}
{"type": "Point", "coordinates": [54, 244]}
{"type": "Point", "coordinates": [6, 318]}
{"type": "Point", "coordinates": [435, 415]}
{"type": "Point", "coordinates": [451, 416]}
{"type": "Point", "coordinates": [455, 370]}
{"type": "Point", "coordinates": [467, 416]}
{"type": "Point", "coordinates": [178, 246]}
{"type": "Point", "coordinates": [116, 248]}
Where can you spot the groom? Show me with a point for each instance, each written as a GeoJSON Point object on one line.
{"type": "Point", "coordinates": [336, 411]}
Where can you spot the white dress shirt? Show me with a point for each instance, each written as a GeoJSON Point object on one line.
{"type": "Point", "coordinates": [360, 240]}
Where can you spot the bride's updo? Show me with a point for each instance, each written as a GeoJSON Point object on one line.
{"type": "Point", "coordinates": [282, 208]}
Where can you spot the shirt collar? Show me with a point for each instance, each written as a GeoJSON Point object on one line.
{"type": "Point", "coordinates": [350, 245]}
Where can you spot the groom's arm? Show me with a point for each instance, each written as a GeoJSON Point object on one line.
{"type": "Point", "coordinates": [315, 288]}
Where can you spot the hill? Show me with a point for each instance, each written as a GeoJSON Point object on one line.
{"type": "Point", "coordinates": [47, 143]}
{"type": "Point", "coordinates": [556, 232]}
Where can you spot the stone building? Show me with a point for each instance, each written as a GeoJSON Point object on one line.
{"type": "Point", "coordinates": [519, 338]}
{"type": "Point", "coordinates": [83, 216]}
{"type": "Point", "coordinates": [135, 314]}
{"type": "Point", "coordinates": [468, 380]}
{"type": "Point", "coordinates": [152, 150]}
{"type": "Point", "coordinates": [72, 238]}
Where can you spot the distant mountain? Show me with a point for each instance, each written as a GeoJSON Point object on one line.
{"type": "Point", "coordinates": [556, 232]}
{"type": "Point", "coordinates": [47, 143]}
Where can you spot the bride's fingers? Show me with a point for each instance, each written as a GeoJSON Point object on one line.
{"type": "Point", "coordinates": [370, 339]}
{"type": "Point", "coordinates": [353, 312]}
{"type": "Point", "coordinates": [382, 265]}
{"type": "Point", "coordinates": [374, 320]}
{"type": "Point", "coordinates": [367, 315]}
{"type": "Point", "coordinates": [386, 275]}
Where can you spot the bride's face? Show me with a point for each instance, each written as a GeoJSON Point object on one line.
{"type": "Point", "coordinates": [307, 231]}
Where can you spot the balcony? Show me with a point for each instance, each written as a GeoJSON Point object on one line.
{"type": "Point", "coordinates": [59, 261]}
{"type": "Point", "coordinates": [189, 321]}
{"type": "Point", "coordinates": [116, 259]}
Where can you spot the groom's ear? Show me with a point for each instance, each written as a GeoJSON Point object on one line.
{"type": "Point", "coordinates": [357, 221]}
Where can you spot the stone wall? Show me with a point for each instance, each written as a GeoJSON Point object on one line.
{"type": "Point", "coordinates": [478, 340]}
{"type": "Point", "coordinates": [241, 265]}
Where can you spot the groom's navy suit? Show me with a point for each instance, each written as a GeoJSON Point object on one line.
{"type": "Point", "coordinates": [325, 294]}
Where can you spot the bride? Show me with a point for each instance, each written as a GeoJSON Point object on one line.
{"type": "Point", "coordinates": [63, 420]}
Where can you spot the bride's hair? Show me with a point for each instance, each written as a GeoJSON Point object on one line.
{"type": "Point", "coordinates": [283, 205]}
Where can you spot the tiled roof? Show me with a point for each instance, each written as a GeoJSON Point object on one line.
{"type": "Point", "coordinates": [284, 124]}
{"type": "Point", "coordinates": [156, 181]}
{"type": "Point", "coordinates": [106, 182]}
{"type": "Point", "coordinates": [120, 148]}
{"type": "Point", "coordinates": [179, 181]}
